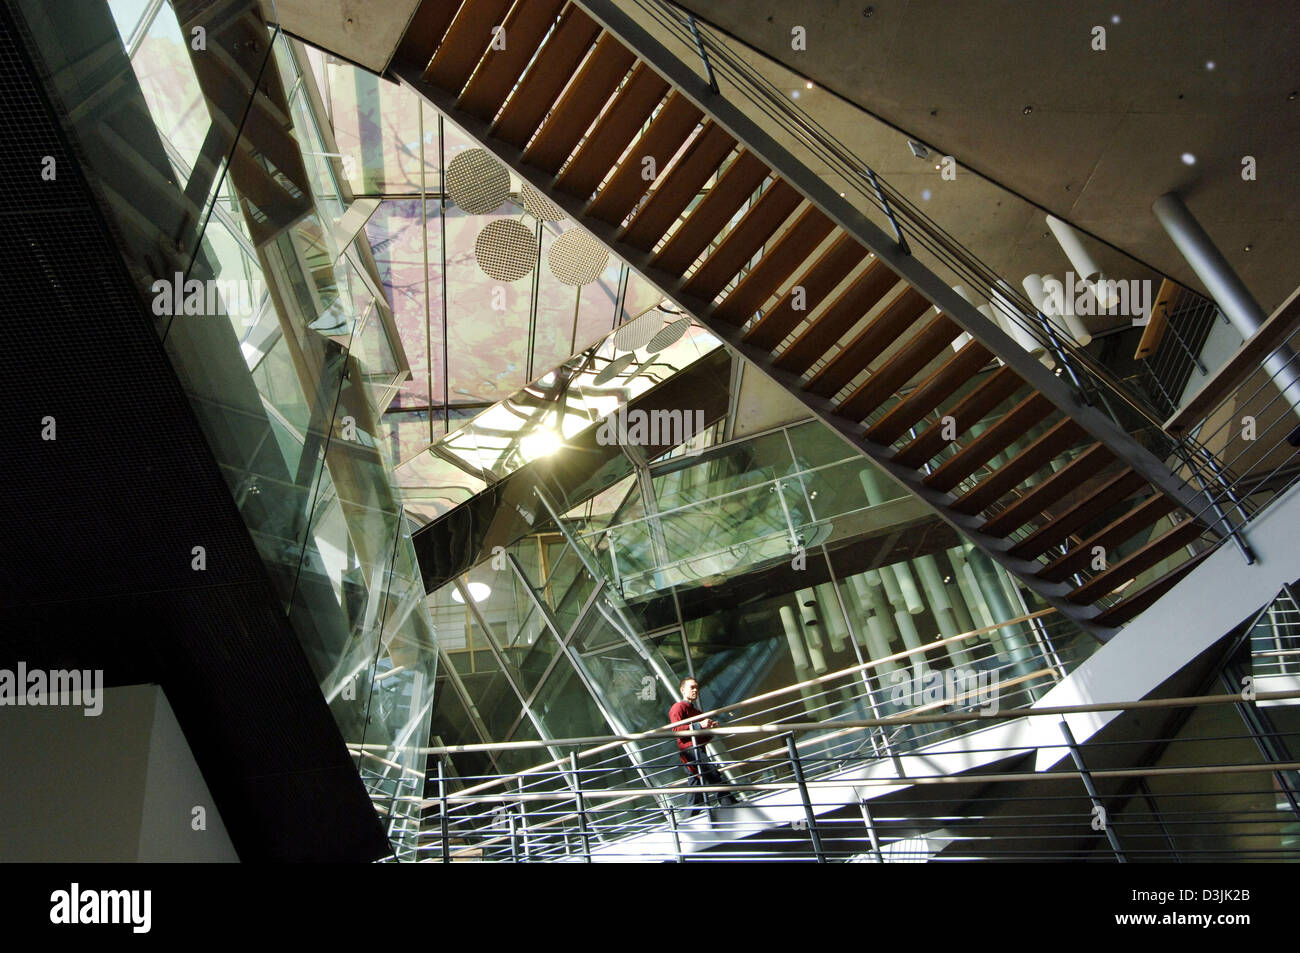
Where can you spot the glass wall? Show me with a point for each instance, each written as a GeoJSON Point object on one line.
{"type": "Point", "coordinates": [203, 136]}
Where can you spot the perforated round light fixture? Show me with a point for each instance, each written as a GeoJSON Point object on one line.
{"type": "Point", "coordinates": [506, 250]}
{"type": "Point", "coordinates": [576, 258]}
{"type": "Point", "coordinates": [477, 182]}
{"type": "Point", "coordinates": [612, 369]}
{"type": "Point", "coordinates": [668, 335]}
{"type": "Point", "coordinates": [637, 333]}
{"type": "Point", "coordinates": [539, 206]}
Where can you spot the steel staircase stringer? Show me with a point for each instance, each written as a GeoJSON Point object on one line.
{"type": "Point", "coordinates": [939, 502]}
{"type": "Point", "coordinates": [885, 248]}
{"type": "Point", "coordinates": [913, 272]}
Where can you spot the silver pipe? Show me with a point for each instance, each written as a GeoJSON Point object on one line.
{"type": "Point", "coordinates": [1225, 287]}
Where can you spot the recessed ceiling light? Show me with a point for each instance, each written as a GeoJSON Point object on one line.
{"type": "Point", "coordinates": [1209, 64]}
{"type": "Point", "coordinates": [1114, 18]}
{"type": "Point", "coordinates": [1188, 159]}
{"type": "Point", "coordinates": [794, 94]}
{"type": "Point", "coordinates": [808, 85]}
{"type": "Point", "coordinates": [478, 591]}
{"type": "Point", "coordinates": [925, 195]}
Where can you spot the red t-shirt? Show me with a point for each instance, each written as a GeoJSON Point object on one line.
{"type": "Point", "coordinates": [680, 712]}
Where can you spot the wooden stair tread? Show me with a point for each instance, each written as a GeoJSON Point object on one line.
{"type": "Point", "coordinates": [1137, 562]}
{"type": "Point", "coordinates": [525, 27]}
{"type": "Point", "coordinates": [464, 44]}
{"type": "Point", "coordinates": [550, 71]}
{"type": "Point", "coordinates": [633, 105]}
{"type": "Point", "coordinates": [1014, 423]}
{"type": "Point", "coordinates": [597, 78]}
{"type": "Point", "coordinates": [711, 216]}
{"type": "Point", "coordinates": [1118, 531]}
{"type": "Point", "coordinates": [930, 393]}
{"type": "Point", "coordinates": [682, 183]}
{"type": "Point", "coordinates": [1145, 597]}
{"type": "Point", "coordinates": [817, 281]}
{"type": "Point", "coordinates": [1054, 488]}
{"type": "Point", "coordinates": [777, 264]}
{"type": "Point", "coordinates": [424, 33]}
{"type": "Point", "coordinates": [904, 364]}
{"type": "Point", "coordinates": [669, 130]}
{"type": "Point", "coordinates": [774, 206]}
{"type": "Point", "coordinates": [1054, 531]}
{"type": "Point", "coordinates": [970, 410]}
{"type": "Point", "coordinates": [863, 294]}
{"type": "Point", "coordinates": [1064, 434]}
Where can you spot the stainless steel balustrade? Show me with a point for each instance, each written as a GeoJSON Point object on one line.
{"type": "Point", "coordinates": [806, 819]}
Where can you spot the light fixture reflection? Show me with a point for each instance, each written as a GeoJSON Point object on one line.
{"type": "Point", "coordinates": [478, 591]}
{"type": "Point", "coordinates": [539, 443]}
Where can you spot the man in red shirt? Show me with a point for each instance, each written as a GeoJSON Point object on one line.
{"type": "Point", "coordinates": [691, 749]}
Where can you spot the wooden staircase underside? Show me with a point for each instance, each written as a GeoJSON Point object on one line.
{"type": "Point", "coordinates": [813, 293]}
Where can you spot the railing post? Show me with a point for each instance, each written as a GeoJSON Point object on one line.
{"type": "Point", "coordinates": [442, 812]}
{"type": "Point", "coordinates": [581, 803]}
{"type": "Point", "coordinates": [889, 213]}
{"type": "Point", "coordinates": [1092, 791]}
{"type": "Point", "coordinates": [677, 837]}
{"type": "Point", "coordinates": [523, 819]}
{"type": "Point", "coordinates": [704, 55]}
{"type": "Point", "coordinates": [870, 822]}
{"type": "Point", "coordinates": [813, 834]}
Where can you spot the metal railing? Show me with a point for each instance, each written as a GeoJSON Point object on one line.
{"type": "Point", "coordinates": [857, 807]}
{"type": "Point", "coordinates": [1006, 666]}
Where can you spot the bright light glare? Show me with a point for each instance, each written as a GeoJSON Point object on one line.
{"type": "Point", "coordinates": [478, 591]}
{"type": "Point", "coordinates": [539, 443]}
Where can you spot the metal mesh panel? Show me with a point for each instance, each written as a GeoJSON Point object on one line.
{"type": "Point", "coordinates": [577, 259]}
{"type": "Point", "coordinates": [506, 250]}
{"type": "Point", "coordinates": [477, 182]}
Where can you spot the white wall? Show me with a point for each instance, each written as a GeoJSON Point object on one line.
{"type": "Point", "coordinates": [119, 786]}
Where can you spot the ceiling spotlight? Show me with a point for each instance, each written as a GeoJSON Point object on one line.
{"type": "Point", "coordinates": [1188, 159]}
{"type": "Point", "coordinates": [808, 85]}
{"type": "Point", "coordinates": [794, 94]}
{"type": "Point", "coordinates": [925, 195]}
{"type": "Point", "coordinates": [1114, 18]}
{"type": "Point", "coordinates": [1248, 248]}
{"type": "Point", "coordinates": [478, 591]}
{"type": "Point", "coordinates": [1209, 64]}
{"type": "Point", "coordinates": [1027, 110]}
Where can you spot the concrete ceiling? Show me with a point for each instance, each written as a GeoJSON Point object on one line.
{"type": "Point", "coordinates": [1105, 131]}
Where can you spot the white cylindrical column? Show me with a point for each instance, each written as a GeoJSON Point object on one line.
{"type": "Point", "coordinates": [1228, 291]}
{"type": "Point", "coordinates": [812, 635]}
{"type": "Point", "coordinates": [828, 614]}
{"type": "Point", "coordinates": [1085, 269]}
